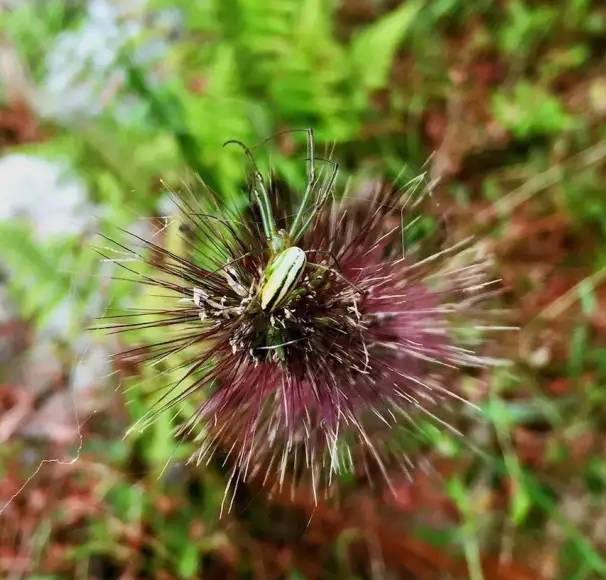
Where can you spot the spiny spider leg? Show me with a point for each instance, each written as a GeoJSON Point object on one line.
{"type": "Point", "coordinates": [311, 170]}
{"type": "Point", "coordinates": [322, 196]}
{"type": "Point", "coordinates": [343, 277]}
{"type": "Point", "coordinates": [329, 182]}
{"type": "Point", "coordinates": [262, 198]}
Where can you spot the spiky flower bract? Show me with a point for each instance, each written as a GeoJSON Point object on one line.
{"type": "Point", "coordinates": [354, 340]}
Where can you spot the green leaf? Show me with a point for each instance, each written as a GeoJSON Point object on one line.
{"type": "Point", "coordinates": [587, 297]}
{"type": "Point", "coordinates": [531, 110]}
{"type": "Point", "coordinates": [373, 49]}
{"type": "Point", "coordinates": [578, 350]}
{"type": "Point", "coordinates": [187, 564]}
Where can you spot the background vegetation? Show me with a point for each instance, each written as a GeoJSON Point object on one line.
{"type": "Point", "coordinates": [105, 106]}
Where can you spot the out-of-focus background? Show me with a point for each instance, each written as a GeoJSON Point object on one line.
{"type": "Point", "coordinates": [106, 105]}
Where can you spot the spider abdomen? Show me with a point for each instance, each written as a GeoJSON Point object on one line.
{"type": "Point", "coordinates": [281, 277]}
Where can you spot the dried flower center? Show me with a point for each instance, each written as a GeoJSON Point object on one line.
{"type": "Point", "coordinates": [285, 313]}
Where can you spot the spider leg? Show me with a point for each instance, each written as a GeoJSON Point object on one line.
{"type": "Point", "coordinates": [321, 199]}
{"type": "Point", "coordinates": [311, 170]}
{"type": "Point", "coordinates": [343, 277]}
{"type": "Point", "coordinates": [332, 255]}
{"type": "Point", "coordinates": [261, 194]}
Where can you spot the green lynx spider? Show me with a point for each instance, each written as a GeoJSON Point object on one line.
{"type": "Point", "coordinates": [280, 284]}
{"type": "Point", "coordinates": [287, 261]}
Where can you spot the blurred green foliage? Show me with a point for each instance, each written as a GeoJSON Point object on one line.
{"type": "Point", "coordinates": [503, 91]}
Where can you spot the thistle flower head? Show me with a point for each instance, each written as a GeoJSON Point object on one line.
{"type": "Point", "coordinates": [308, 338]}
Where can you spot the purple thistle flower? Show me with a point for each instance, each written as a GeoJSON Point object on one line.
{"type": "Point", "coordinates": [309, 355]}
